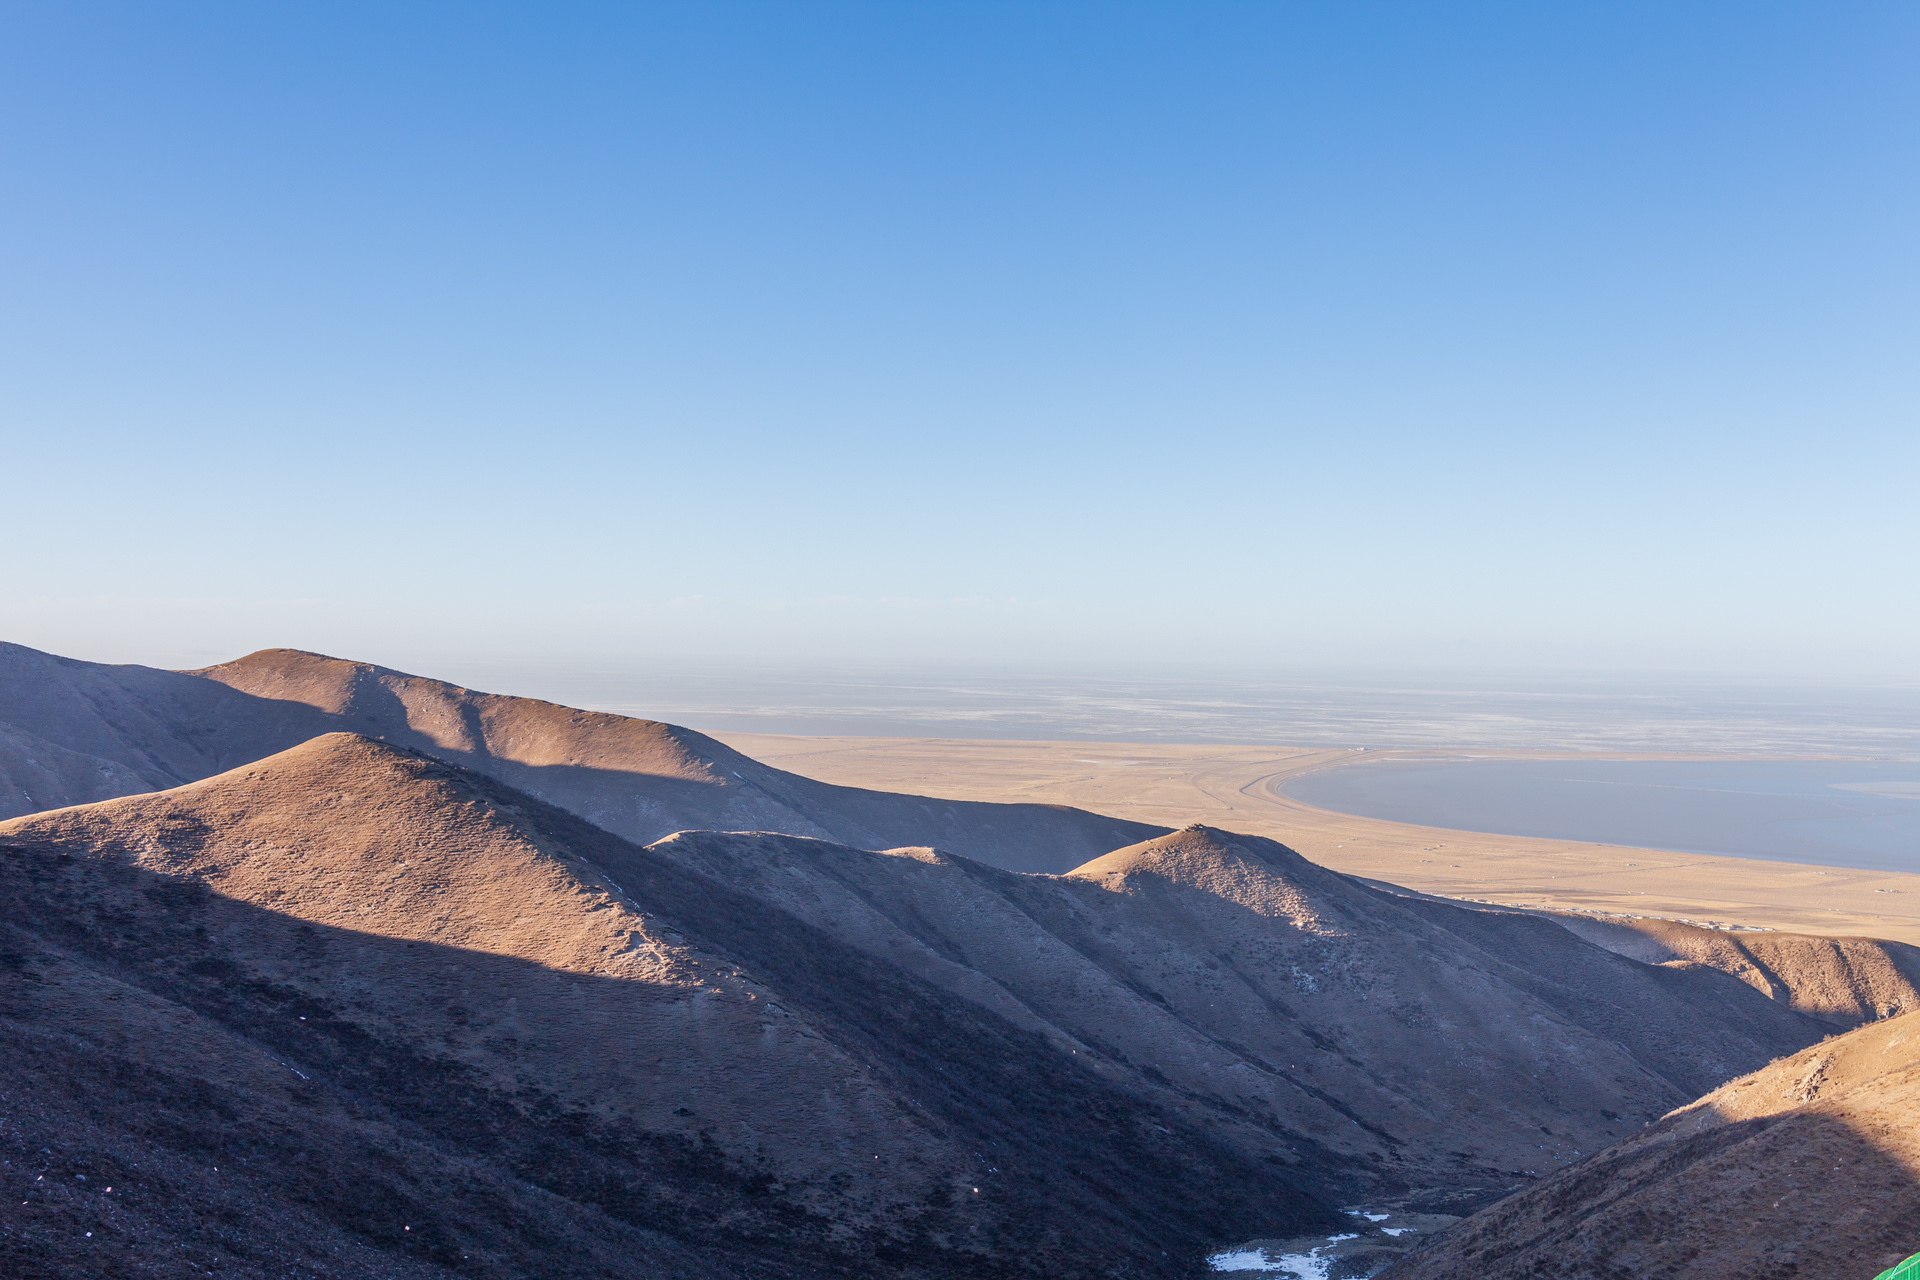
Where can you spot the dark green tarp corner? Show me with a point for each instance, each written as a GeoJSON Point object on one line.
{"type": "Point", "coordinates": [1908, 1270]}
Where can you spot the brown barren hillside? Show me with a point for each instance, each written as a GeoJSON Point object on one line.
{"type": "Point", "coordinates": [75, 732]}
{"type": "Point", "coordinates": [1808, 1168]}
{"type": "Point", "coordinates": [1422, 1051]}
{"type": "Point", "coordinates": [1841, 981]}
{"type": "Point", "coordinates": [410, 1014]}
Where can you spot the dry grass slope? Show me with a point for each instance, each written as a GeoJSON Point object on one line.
{"type": "Point", "coordinates": [1305, 1018]}
{"type": "Point", "coordinates": [402, 1001]}
{"type": "Point", "coordinates": [76, 732]}
{"type": "Point", "coordinates": [1808, 1168]}
{"type": "Point", "coordinates": [412, 1014]}
{"type": "Point", "coordinates": [1841, 981]}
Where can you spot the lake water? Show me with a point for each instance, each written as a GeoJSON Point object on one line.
{"type": "Point", "coordinates": [1829, 812]}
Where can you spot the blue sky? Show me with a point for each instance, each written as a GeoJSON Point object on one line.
{"type": "Point", "coordinates": [1573, 336]}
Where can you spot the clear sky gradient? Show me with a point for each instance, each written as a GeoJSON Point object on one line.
{"type": "Point", "coordinates": [1567, 336]}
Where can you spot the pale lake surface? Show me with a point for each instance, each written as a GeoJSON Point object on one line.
{"type": "Point", "coordinates": [1831, 812]}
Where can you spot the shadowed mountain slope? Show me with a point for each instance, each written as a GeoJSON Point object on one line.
{"type": "Point", "coordinates": [1425, 1051]}
{"type": "Point", "coordinates": [414, 1017]}
{"type": "Point", "coordinates": [75, 732]}
{"type": "Point", "coordinates": [1808, 1168]}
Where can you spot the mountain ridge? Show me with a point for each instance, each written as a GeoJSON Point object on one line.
{"type": "Point", "coordinates": [1299, 1014]}
{"type": "Point", "coordinates": [787, 1050]}
{"type": "Point", "coordinates": [141, 728]}
{"type": "Point", "coordinates": [425, 953]}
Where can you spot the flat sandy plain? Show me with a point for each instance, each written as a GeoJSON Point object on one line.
{"type": "Point", "coordinates": [1238, 788]}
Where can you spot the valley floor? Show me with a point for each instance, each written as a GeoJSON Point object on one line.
{"type": "Point", "coordinates": [1238, 787]}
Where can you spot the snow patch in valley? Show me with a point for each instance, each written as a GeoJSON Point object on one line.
{"type": "Point", "coordinates": [1302, 1266]}
{"type": "Point", "coordinates": [1362, 1252]}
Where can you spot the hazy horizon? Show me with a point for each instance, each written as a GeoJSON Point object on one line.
{"type": "Point", "coordinates": [1296, 705]}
